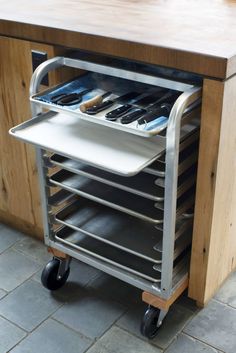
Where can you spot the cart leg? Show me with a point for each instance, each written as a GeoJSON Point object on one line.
{"type": "Point", "coordinates": [152, 321]}
{"type": "Point", "coordinates": [158, 309]}
{"type": "Point", "coordinates": [56, 272]}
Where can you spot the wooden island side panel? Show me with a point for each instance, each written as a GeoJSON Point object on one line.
{"type": "Point", "coordinates": [20, 204]}
{"type": "Point", "coordinates": [214, 238]}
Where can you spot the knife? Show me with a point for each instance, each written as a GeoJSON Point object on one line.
{"type": "Point", "coordinates": [118, 112]}
{"type": "Point", "coordinates": [136, 113]}
{"type": "Point", "coordinates": [163, 110]}
{"type": "Point", "coordinates": [108, 103]}
{"type": "Point", "coordinates": [93, 101]}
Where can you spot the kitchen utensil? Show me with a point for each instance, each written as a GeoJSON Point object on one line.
{"type": "Point", "coordinates": [93, 101]}
{"type": "Point", "coordinates": [69, 98]}
{"type": "Point", "coordinates": [108, 103]}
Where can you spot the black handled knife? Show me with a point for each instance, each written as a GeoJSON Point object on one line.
{"type": "Point", "coordinates": [122, 110]}
{"type": "Point", "coordinates": [137, 113]}
{"type": "Point", "coordinates": [116, 113]}
{"type": "Point", "coordinates": [163, 110]}
{"type": "Point", "coordinates": [108, 103]}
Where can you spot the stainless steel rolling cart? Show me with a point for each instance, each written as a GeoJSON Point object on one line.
{"type": "Point", "coordinates": [115, 196]}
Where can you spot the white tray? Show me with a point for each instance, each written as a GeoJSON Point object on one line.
{"type": "Point", "coordinates": [97, 145]}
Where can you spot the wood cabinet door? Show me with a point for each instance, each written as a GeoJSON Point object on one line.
{"type": "Point", "coordinates": [19, 191]}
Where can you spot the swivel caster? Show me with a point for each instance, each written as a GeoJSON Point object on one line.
{"type": "Point", "coordinates": [151, 322]}
{"type": "Point", "coordinates": [55, 274]}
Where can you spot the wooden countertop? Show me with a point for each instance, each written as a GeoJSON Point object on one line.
{"type": "Point", "coordinates": [197, 36]}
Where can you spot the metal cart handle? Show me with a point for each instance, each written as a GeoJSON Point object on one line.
{"type": "Point", "coordinates": [57, 62]}
{"type": "Point", "coordinates": [42, 70]}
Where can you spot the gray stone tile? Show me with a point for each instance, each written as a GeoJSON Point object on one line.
{"type": "Point", "coordinates": [15, 268]}
{"type": "Point", "coordinates": [216, 326]}
{"type": "Point", "coordinates": [174, 322]}
{"type": "Point", "coordinates": [227, 293]}
{"type": "Point", "coordinates": [37, 276]}
{"type": "Point", "coordinates": [80, 275]}
{"type": "Point", "coordinates": [117, 340]}
{"type": "Point", "coordinates": [10, 335]}
{"type": "Point", "coordinates": [186, 344]}
{"type": "Point", "coordinates": [33, 248]}
{"type": "Point", "coordinates": [114, 289]}
{"type": "Point", "coordinates": [8, 237]}
{"type": "Point", "coordinates": [50, 337]}
{"type": "Point", "coordinates": [28, 305]}
{"type": "Point", "coordinates": [2, 293]}
{"type": "Point", "coordinates": [89, 315]}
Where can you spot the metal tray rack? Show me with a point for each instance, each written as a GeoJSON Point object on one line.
{"type": "Point", "coordinates": [113, 199]}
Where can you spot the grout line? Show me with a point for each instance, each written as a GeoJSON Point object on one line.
{"type": "Point", "coordinates": [21, 253]}
{"type": "Point", "coordinates": [99, 338]}
{"type": "Point", "coordinates": [24, 236]}
{"type": "Point", "coordinates": [194, 314]}
{"type": "Point", "coordinates": [226, 304]}
{"type": "Point", "coordinates": [143, 338]}
{"type": "Point", "coordinates": [12, 245]}
{"type": "Point", "coordinates": [4, 295]}
{"type": "Point", "coordinates": [207, 344]}
{"type": "Point", "coordinates": [177, 333]}
{"type": "Point", "coordinates": [11, 322]}
{"type": "Point", "coordinates": [92, 345]}
{"type": "Point", "coordinates": [46, 318]}
{"type": "Point", "coordinates": [17, 343]}
{"type": "Point", "coordinates": [28, 255]}
{"type": "Point", "coordinates": [12, 290]}
{"type": "Point", "coordinates": [113, 323]}
{"type": "Point", "coordinates": [72, 329]}
{"type": "Point", "coordinates": [28, 332]}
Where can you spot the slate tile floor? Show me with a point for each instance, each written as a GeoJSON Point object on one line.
{"type": "Point", "coordinates": [96, 313]}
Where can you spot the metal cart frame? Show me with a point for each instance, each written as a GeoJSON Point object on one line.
{"type": "Point", "coordinates": [157, 295]}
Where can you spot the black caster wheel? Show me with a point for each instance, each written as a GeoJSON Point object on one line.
{"type": "Point", "coordinates": [149, 324]}
{"type": "Point", "coordinates": [49, 275]}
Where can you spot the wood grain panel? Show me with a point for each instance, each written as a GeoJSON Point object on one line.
{"type": "Point", "coordinates": [171, 33]}
{"type": "Point", "coordinates": [182, 60]}
{"type": "Point", "coordinates": [222, 251]}
{"type": "Point", "coordinates": [19, 192]}
{"type": "Point", "coordinates": [207, 166]}
{"type": "Point", "coordinates": [214, 244]}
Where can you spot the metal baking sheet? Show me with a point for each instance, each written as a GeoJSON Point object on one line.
{"type": "Point", "coordinates": [109, 196]}
{"type": "Point", "coordinates": [188, 154]}
{"type": "Point", "coordinates": [97, 145]}
{"type": "Point", "coordinates": [113, 227]}
{"type": "Point", "coordinates": [108, 253]}
{"type": "Point", "coordinates": [99, 83]}
{"type": "Point", "coordinates": [141, 184]}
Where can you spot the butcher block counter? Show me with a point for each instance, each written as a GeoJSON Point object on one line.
{"type": "Point", "coordinates": [196, 37]}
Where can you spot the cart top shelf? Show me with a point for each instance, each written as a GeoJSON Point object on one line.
{"type": "Point", "coordinates": [116, 151]}
{"type": "Point", "coordinates": [192, 36]}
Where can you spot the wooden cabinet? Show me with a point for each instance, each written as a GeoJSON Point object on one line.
{"type": "Point", "coordinates": [19, 198]}
{"type": "Point", "coordinates": [19, 190]}
{"type": "Point", "coordinates": [214, 241]}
